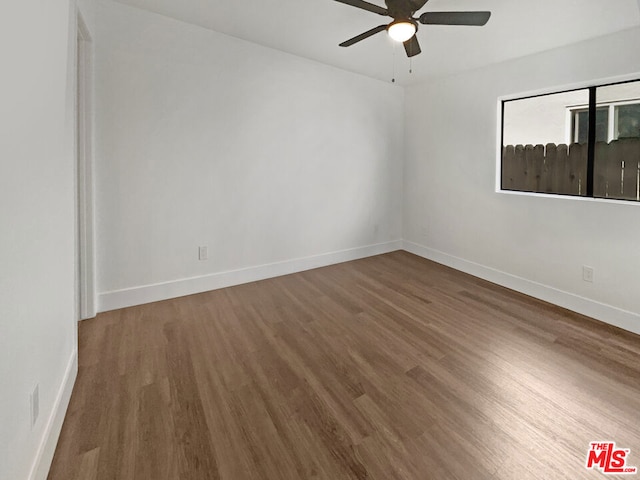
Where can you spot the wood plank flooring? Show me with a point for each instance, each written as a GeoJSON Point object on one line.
{"type": "Point", "coordinates": [390, 367]}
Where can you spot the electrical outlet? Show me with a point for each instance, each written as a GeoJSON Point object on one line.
{"type": "Point", "coordinates": [587, 274]}
{"type": "Point", "coordinates": [203, 253]}
{"type": "Point", "coordinates": [34, 400]}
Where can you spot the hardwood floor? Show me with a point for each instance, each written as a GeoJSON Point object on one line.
{"type": "Point", "coordinates": [390, 367]}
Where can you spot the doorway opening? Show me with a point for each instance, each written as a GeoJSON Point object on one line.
{"type": "Point", "coordinates": [85, 240]}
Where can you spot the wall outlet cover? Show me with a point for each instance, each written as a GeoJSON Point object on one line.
{"type": "Point", "coordinates": [587, 273]}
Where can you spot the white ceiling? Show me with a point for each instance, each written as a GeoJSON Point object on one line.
{"type": "Point", "coordinates": [314, 28]}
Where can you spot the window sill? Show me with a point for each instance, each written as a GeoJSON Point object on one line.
{"type": "Point", "coordinates": [607, 201]}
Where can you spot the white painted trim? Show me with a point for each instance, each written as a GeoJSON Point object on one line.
{"type": "Point", "coordinates": [605, 313]}
{"type": "Point", "coordinates": [46, 449]}
{"type": "Point", "coordinates": [499, 141]}
{"type": "Point", "coordinates": [606, 201]}
{"type": "Point", "coordinates": [84, 173]}
{"type": "Point", "coordinates": [162, 291]}
{"type": "Point", "coordinates": [187, 286]}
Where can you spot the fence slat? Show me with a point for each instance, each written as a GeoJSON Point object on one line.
{"type": "Point", "coordinates": [552, 174]}
{"type": "Point", "coordinates": [578, 168]}
{"type": "Point", "coordinates": [614, 169]}
{"type": "Point", "coordinates": [529, 169]}
{"type": "Point", "coordinates": [601, 169]}
{"type": "Point", "coordinates": [508, 167]}
{"type": "Point", "coordinates": [534, 157]}
{"type": "Point", "coordinates": [520, 169]}
{"type": "Point", "coordinates": [562, 170]}
{"type": "Point", "coordinates": [630, 154]}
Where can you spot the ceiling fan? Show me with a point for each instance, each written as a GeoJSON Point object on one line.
{"type": "Point", "coordinates": [404, 26]}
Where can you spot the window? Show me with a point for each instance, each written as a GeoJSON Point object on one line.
{"type": "Point", "coordinates": [582, 142]}
{"type": "Point", "coordinates": [613, 121]}
{"type": "Point", "coordinates": [627, 121]}
{"type": "Point", "coordinates": [580, 125]}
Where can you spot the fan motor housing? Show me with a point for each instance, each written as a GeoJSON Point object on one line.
{"type": "Point", "coordinates": [402, 8]}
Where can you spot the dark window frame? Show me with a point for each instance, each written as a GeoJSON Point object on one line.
{"type": "Point", "coordinates": [592, 108]}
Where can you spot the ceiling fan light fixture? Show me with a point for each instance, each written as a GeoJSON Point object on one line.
{"type": "Point", "coordinates": [402, 30]}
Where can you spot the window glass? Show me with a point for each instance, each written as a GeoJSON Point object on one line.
{"type": "Point", "coordinates": [543, 147]}
{"type": "Point", "coordinates": [627, 121]}
{"type": "Point", "coordinates": [617, 160]}
{"type": "Point", "coordinates": [546, 144]}
{"type": "Point", "coordinates": [581, 125]}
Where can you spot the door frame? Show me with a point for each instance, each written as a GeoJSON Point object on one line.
{"type": "Point", "coordinates": [84, 174]}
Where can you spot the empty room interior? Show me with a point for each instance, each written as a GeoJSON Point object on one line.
{"type": "Point", "coordinates": [337, 239]}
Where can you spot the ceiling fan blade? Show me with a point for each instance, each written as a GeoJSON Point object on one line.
{"type": "Point", "coordinates": [412, 47]}
{"type": "Point", "coordinates": [365, 6]}
{"type": "Point", "coordinates": [455, 18]}
{"type": "Point", "coordinates": [364, 35]}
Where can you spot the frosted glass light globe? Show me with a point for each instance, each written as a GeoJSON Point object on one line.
{"type": "Point", "coordinates": [401, 31]}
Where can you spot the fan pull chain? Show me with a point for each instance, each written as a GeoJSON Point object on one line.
{"type": "Point", "coordinates": [410, 65]}
{"type": "Point", "coordinates": [393, 80]}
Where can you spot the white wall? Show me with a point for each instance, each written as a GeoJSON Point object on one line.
{"type": "Point", "coordinates": [533, 243]}
{"type": "Point", "coordinates": [37, 220]}
{"type": "Point", "coordinates": [204, 139]}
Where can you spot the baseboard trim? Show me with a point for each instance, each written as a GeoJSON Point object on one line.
{"type": "Point", "coordinates": [624, 319]}
{"type": "Point", "coordinates": [162, 291]}
{"type": "Point", "coordinates": [46, 449]}
{"type": "Point", "coordinates": [178, 288]}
